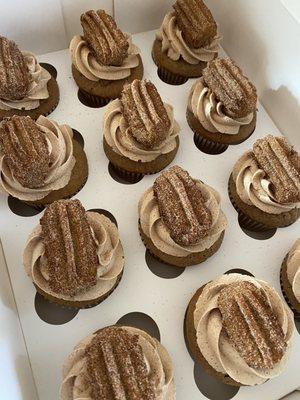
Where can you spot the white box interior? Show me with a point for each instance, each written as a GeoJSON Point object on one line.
{"type": "Point", "coordinates": [165, 300]}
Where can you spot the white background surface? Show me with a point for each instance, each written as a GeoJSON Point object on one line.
{"type": "Point", "coordinates": [164, 300]}
{"type": "Point", "coordinates": [260, 35]}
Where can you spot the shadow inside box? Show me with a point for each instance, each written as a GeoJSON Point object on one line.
{"type": "Point", "coordinates": [297, 324]}
{"type": "Point", "coordinates": [52, 313]}
{"type": "Point", "coordinates": [159, 268]}
{"type": "Point", "coordinates": [256, 234]}
{"type": "Point", "coordinates": [22, 209]}
{"type": "Point", "coordinates": [141, 321]}
{"type": "Point", "coordinates": [208, 147]}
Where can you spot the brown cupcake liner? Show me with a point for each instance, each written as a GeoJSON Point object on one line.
{"type": "Point", "coordinates": [245, 220]}
{"type": "Point", "coordinates": [127, 175]}
{"type": "Point", "coordinates": [171, 78]}
{"type": "Point", "coordinates": [208, 146]}
{"type": "Point", "coordinates": [82, 305]}
{"type": "Point", "coordinates": [94, 101]}
{"type": "Point", "coordinates": [285, 295]}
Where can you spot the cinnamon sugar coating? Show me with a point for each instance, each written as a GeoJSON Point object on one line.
{"type": "Point", "coordinates": [106, 40]}
{"type": "Point", "coordinates": [235, 91]}
{"type": "Point", "coordinates": [196, 22]}
{"type": "Point", "coordinates": [251, 325]}
{"type": "Point", "coordinates": [116, 367]}
{"type": "Point", "coordinates": [181, 206]}
{"type": "Point", "coordinates": [145, 113]}
{"type": "Point", "coordinates": [14, 74]}
{"type": "Point", "coordinates": [282, 165]}
{"type": "Point", "coordinates": [25, 150]}
{"type": "Point", "coordinates": [70, 248]}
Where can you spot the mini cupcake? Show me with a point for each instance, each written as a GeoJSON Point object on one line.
{"type": "Point", "coordinates": [40, 162]}
{"type": "Point", "coordinates": [186, 41]}
{"type": "Point", "coordinates": [264, 186]}
{"type": "Point", "coordinates": [26, 88]}
{"type": "Point", "coordinates": [221, 107]}
{"type": "Point", "coordinates": [140, 133]}
{"type": "Point", "coordinates": [74, 258]}
{"type": "Point", "coordinates": [180, 219]}
{"type": "Point", "coordinates": [118, 362]}
{"type": "Point", "coordinates": [290, 278]}
{"type": "Point", "coordinates": [239, 330]}
{"type": "Point", "coordinates": [103, 59]}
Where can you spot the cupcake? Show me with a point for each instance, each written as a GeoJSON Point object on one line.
{"type": "Point", "coordinates": [103, 59]}
{"type": "Point", "coordinates": [264, 186]}
{"type": "Point", "coordinates": [221, 107]}
{"type": "Point", "coordinates": [74, 257]}
{"type": "Point", "coordinates": [186, 41]}
{"type": "Point", "coordinates": [26, 88]}
{"type": "Point", "coordinates": [140, 133]}
{"type": "Point", "coordinates": [40, 162]}
{"type": "Point", "coordinates": [180, 219]}
{"type": "Point", "coordinates": [118, 362]}
{"type": "Point", "coordinates": [239, 330]}
{"type": "Point", "coordinates": [290, 278]}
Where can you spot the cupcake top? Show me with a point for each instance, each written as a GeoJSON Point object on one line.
{"type": "Point", "coordinates": [243, 328]}
{"type": "Point", "coordinates": [104, 51]}
{"type": "Point", "coordinates": [140, 126]}
{"type": "Point", "coordinates": [73, 254]}
{"type": "Point", "coordinates": [181, 215]}
{"type": "Point", "coordinates": [268, 176]}
{"type": "Point", "coordinates": [118, 362]}
{"type": "Point", "coordinates": [23, 82]}
{"type": "Point", "coordinates": [189, 32]}
{"type": "Point", "coordinates": [35, 157]}
{"type": "Point", "coordinates": [293, 269]}
{"type": "Point", "coordinates": [223, 99]}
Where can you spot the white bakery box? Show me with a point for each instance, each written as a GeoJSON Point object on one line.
{"type": "Point", "coordinates": [35, 336]}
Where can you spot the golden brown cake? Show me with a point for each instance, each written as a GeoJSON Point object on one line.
{"type": "Point", "coordinates": [140, 133]}
{"type": "Point", "coordinates": [221, 107]}
{"type": "Point", "coordinates": [103, 59]}
{"type": "Point", "coordinates": [180, 220]}
{"type": "Point", "coordinates": [264, 186]}
{"type": "Point", "coordinates": [239, 329]}
{"type": "Point", "coordinates": [74, 258]}
{"type": "Point", "coordinates": [26, 88]}
{"type": "Point", "coordinates": [118, 362]}
{"type": "Point", "coordinates": [186, 41]}
{"type": "Point", "coordinates": [34, 171]}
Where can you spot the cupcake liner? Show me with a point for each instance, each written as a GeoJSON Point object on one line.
{"type": "Point", "coordinates": [170, 78]}
{"type": "Point", "coordinates": [246, 221]}
{"type": "Point", "coordinates": [208, 146]}
{"type": "Point", "coordinates": [128, 176]}
{"type": "Point", "coordinates": [94, 101]}
{"type": "Point", "coordinates": [78, 307]}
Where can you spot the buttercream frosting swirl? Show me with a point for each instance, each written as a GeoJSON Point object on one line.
{"type": "Point", "coordinates": [157, 360]}
{"type": "Point", "coordinates": [214, 343]}
{"type": "Point", "coordinates": [254, 187]}
{"type": "Point", "coordinates": [37, 91]}
{"type": "Point", "coordinates": [117, 135]}
{"type": "Point", "coordinates": [85, 62]}
{"type": "Point", "coordinates": [209, 111]}
{"type": "Point", "coordinates": [293, 269]}
{"type": "Point", "coordinates": [109, 251]}
{"type": "Point", "coordinates": [60, 144]}
{"type": "Point", "coordinates": [153, 226]}
{"type": "Point", "coordinates": [175, 47]}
